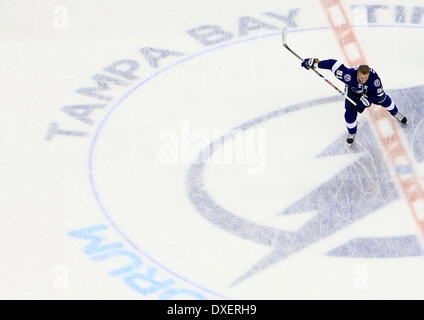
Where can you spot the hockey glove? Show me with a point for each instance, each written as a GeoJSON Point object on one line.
{"type": "Point", "coordinates": [362, 104]}
{"type": "Point", "coordinates": [309, 63]}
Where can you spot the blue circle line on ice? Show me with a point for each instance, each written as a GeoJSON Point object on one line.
{"type": "Point", "coordinates": [156, 74]}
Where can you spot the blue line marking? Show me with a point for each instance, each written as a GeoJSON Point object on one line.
{"type": "Point", "coordinates": [140, 84]}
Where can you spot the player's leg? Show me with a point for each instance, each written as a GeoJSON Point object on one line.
{"type": "Point", "coordinates": [350, 118]}
{"type": "Point", "coordinates": [390, 106]}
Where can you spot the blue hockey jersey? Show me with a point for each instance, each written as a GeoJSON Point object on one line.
{"type": "Point", "coordinates": [372, 88]}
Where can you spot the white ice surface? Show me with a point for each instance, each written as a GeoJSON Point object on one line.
{"type": "Point", "coordinates": [48, 51]}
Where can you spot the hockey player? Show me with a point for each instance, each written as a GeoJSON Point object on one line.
{"type": "Point", "coordinates": [363, 86]}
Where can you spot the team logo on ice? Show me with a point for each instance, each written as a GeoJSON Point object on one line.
{"type": "Point", "coordinates": [339, 202]}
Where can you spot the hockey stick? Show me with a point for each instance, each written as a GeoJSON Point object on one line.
{"type": "Point", "coordinates": [284, 38]}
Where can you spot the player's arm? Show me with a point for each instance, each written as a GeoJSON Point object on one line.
{"type": "Point", "coordinates": [336, 66]}
{"type": "Point", "coordinates": [376, 92]}
{"type": "Point", "coordinates": [376, 97]}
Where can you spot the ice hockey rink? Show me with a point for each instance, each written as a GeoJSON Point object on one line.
{"type": "Point", "coordinates": [176, 150]}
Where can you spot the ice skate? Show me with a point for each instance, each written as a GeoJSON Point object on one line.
{"type": "Point", "coordinates": [350, 138]}
{"type": "Point", "coordinates": [399, 116]}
